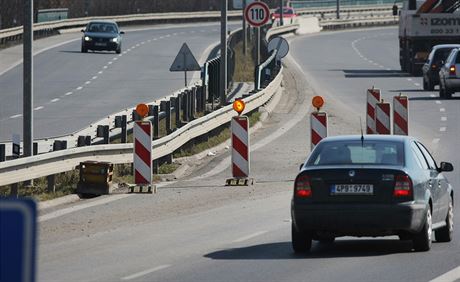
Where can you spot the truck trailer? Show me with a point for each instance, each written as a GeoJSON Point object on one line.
{"type": "Point", "coordinates": [422, 25]}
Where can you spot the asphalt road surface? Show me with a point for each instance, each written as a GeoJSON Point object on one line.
{"type": "Point", "coordinates": [72, 89]}
{"type": "Point", "coordinates": [196, 229]}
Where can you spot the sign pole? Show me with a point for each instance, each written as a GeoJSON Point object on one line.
{"type": "Point", "coordinates": [223, 54]}
{"type": "Point", "coordinates": [281, 13]}
{"type": "Point", "coordinates": [28, 78]}
{"type": "Point", "coordinates": [245, 40]}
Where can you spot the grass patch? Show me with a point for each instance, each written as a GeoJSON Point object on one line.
{"type": "Point", "coordinates": [244, 64]}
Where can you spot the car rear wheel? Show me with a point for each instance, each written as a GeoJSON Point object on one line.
{"type": "Point", "coordinates": [448, 93]}
{"type": "Point", "coordinates": [84, 50]}
{"type": "Point", "coordinates": [422, 240]}
{"type": "Point", "coordinates": [445, 233]}
{"type": "Point", "coordinates": [118, 50]}
{"type": "Point", "coordinates": [301, 241]}
{"type": "Point", "coordinates": [442, 91]}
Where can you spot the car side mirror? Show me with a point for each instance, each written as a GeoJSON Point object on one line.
{"type": "Point", "coordinates": [122, 32]}
{"type": "Point", "coordinates": [300, 167]}
{"type": "Point", "coordinates": [445, 166]}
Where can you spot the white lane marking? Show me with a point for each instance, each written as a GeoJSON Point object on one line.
{"type": "Point", "coordinates": [121, 55]}
{"type": "Point", "coordinates": [143, 42]}
{"type": "Point", "coordinates": [94, 77]}
{"type": "Point", "coordinates": [409, 79]}
{"type": "Point", "coordinates": [105, 67]}
{"type": "Point", "coordinates": [442, 109]}
{"type": "Point", "coordinates": [100, 72]}
{"type": "Point", "coordinates": [68, 93]}
{"type": "Point", "coordinates": [438, 102]}
{"type": "Point", "coordinates": [249, 237]}
{"type": "Point", "coordinates": [432, 95]}
{"type": "Point", "coordinates": [442, 129]}
{"type": "Point", "coordinates": [114, 59]}
{"type": "Point", "coordinates": [150, 40]}
{"type": "Point", "coordinates": [443, 118]}
{"type": "Point", "coordinates": [110, 63]}
{"type": "Point", "coordinates": [450, 276]}
{"type": "Point", "coordinates": [39, 108]}
{"type": "Point", "coordinates": [174, 34]}
{"type": "Point", "coordinates": [435, 141]}
{"type": "Point", "coordinates": [138, 45]}
{"type": "Point", "coordinates": [125, 52]}
{"type": "Point", "coordinates": [16, 116]}
{"type": "Point", "coordinates": [370, 61]}
{"type": "Point", "coordinates": [54, 100]}
{"type": "Point", "coordinates": [417, 84]}
{"type": "Point", "coordinates": [65, 211]}
{"type": "Point", "coordinates": [79, 87]}
{"type": "Point", "coordinates": [145, 272]}
{"type": "Point", "coordinates": [388, 69]}
{"type": "Point", "coordinates": [88, 82]}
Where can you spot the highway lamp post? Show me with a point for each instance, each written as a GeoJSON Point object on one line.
{"type": "Point", "coordinates": [223, 54]}
{"type": "Point", "coordinates": [28, 79]}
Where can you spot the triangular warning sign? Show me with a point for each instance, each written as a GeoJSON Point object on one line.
{"type": "Point", "coordinates": [185, 61]}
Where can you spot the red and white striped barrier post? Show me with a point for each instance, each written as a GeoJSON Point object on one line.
{"type": "Point", "coordinates": [142, 150]}
{"type": "Point", "coordinates": [318, 124]}
{"type": "Point", "coordinates": [373, 97]}
{"type": "Point", "coordinates": [382, 118]}
{"type": "Point", "coordinates": [240, 148]}
{"type": "Point", "coordinates": [400, 115]}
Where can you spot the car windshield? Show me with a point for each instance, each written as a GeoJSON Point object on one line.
{"type": "Point", "coordinates": [286, 11]}
{"type": "Point", "coordinates": [358, 153]}
{"type": "Point", "coordinates": [103, 27]}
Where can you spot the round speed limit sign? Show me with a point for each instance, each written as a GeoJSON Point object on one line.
{"type": "Point", "coordinates": [257, 14]}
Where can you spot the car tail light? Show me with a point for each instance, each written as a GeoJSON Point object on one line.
{"type": "Point", "coordinates": [433, 66]}
{"type": "Point", "coordinates": [452, 70]}
{"type": "Point", "coordinates": [303, 187]}
{"type": "Point", "coordinates": [403, 186]}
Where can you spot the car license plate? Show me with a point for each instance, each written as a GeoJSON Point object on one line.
{"type": "Point", "coordinates": [100, 44]}
{"type": "Point", "coordinates": [352, 189]}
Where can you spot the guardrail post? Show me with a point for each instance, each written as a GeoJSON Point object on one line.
{"type": "Point", "coordinates": [135, 116]}
{"type": "Point", "coordinates": [177, 106]}
{"type": "Point", "coordinates": [193, 103]}
{"type": "Point", "coordinates": [156, 122]}
{"type": "Point", "coordinates": [83, 141]}
{"type": "Point", "coordinates": [51, 179]}
{"type": "Point", "coordinates": [35, 148]}
{"type": "Point", "coordinates": [167, 109]}
{"type": "Point", "coordinates": [2, 152]}
{"type": "Point", "coordinates": [103, 131]}
{"type": "Point", "coordinates": [155, 166]}
{"type": "Point", "coordinates": [186, 106]}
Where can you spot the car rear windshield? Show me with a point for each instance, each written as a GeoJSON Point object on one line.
{"type": "Point", "coordinates": [286, 11]}
{"type": "Point", "coordinates": [102, 27]}
{"type": "Point", "coordinates": [441, 54]}
{"type": "Point", "coordinates": [358, 153]}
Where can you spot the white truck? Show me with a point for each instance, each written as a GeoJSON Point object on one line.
{"type": "Point", "coordinates": [423, 24]}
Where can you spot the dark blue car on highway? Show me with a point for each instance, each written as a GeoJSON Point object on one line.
{"type": "Point", "coordinates": [101, 35]}
{"type": "Point", "coordinates": [372, 185]}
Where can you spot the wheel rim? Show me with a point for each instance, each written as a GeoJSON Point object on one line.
{"type": "Point", "coordinates": [429, 229]}
{"type": "Point", "coordinates": [450, 218]}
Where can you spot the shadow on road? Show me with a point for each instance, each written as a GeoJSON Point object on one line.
{"type": "Point", "coordinates": [89, 52]}
{"type": "Point", "coordinates": [340, 248]}
{"type": "Point", "coordinates": [408, 90]}
{"type": "Point", "coordinates": [369, 73]}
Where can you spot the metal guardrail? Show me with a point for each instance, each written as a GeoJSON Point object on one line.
{"type": "Point", "coordinates": [24, 169]}
{"type": "Point", "coordinates": [296, 4]}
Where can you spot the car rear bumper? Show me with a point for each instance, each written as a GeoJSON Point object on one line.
{"type": "Point", "coordinates": [360, 219]}
{"type": "Point", "coordinates": [453, 83]}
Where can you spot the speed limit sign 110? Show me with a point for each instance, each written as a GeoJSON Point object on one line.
{"type": "Point", "coordinates": [257, 14]}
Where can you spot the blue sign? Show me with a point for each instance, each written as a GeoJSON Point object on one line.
{"type": "Point", "coordinates": [18, 218]}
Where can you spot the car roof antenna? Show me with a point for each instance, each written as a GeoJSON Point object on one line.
{"type": "Point", "coordinates": [362, 135]}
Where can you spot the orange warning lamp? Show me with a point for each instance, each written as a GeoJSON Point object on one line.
{"type": "Point", "coordinates": [142, 110]}
{"type": "Point", "coordinates": [317, 102]}
{"type": "Point", "coordinates": [238, 106]}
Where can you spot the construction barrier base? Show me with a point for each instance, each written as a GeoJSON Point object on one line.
{"type": "Point", "coordinates": [239, 182]}
{"type": "Point", "coordinates": [142, 189]}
